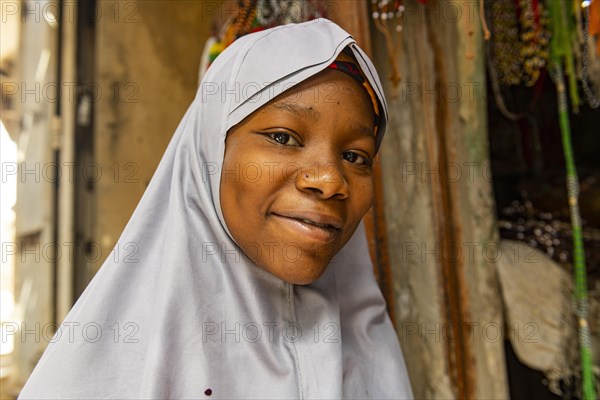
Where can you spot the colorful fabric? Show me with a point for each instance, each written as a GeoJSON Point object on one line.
{"type": "Point", "coordinates": [352, 69]}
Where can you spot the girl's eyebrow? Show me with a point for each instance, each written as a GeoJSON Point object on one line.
{"type": "Point", "coordinates": [366, 131]}
{"type": "Point", "coordinates": [297, 109]}
{"type": "Point", "coordinates": [307, 111]}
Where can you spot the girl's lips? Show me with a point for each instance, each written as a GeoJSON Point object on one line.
{"type": "Point", "coordinates": [314, 218]}
{"type": "Point", "coordinates": [319, 231]}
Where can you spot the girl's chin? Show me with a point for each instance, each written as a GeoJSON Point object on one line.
{"type": "Point", "coordinates": [298, 273]}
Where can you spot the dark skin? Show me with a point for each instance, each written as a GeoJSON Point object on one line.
{"type": "Point", "coordinates": [304, 176]}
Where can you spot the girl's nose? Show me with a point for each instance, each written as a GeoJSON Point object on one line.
{"type": "Point", "coordinates": [326, 179]}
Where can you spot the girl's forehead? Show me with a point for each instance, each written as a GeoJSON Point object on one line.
{"type": "Point", "coordinates": [327, 86]}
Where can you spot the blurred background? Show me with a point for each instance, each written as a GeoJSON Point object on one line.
{"type": "Point", "coordinates": [485, 233]}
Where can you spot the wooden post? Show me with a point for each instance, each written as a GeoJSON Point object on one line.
{"type": "Point", "coordinates": [443, 289]}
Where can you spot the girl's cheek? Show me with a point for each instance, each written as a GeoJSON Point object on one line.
{"type": "Point", "coordinates": [367, 193]}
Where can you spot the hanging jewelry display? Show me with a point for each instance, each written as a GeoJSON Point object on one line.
{"type": "Point", "coordinates": [499, 26]}
{"type": "Point", "coordinates": [505, 41]}
{"type": "Point", "coordinates": [520, 40]}
{"type": "Point", "coordinates": [535, 39]}
{"type": "Point", "coordinates": [384, 14]}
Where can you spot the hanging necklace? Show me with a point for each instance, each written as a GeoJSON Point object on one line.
{"type": "Point", "coordinates": [383, 13]}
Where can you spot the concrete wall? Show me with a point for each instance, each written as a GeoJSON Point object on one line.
{"type": "Point", "coordinates": [147, 62]}
{"type": "Point", "coordinates": [35, 99]}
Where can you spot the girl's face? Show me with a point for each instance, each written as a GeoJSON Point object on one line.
{"type": "Point", "coordinates": [297, 176]}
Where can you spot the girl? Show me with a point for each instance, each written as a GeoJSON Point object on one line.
{"type": "Point", "coordinates": [253, 277]}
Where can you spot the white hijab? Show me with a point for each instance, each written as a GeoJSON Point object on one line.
{"type": "Point", "coordinates": [184, 314]}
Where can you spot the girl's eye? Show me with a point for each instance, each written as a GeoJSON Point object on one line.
{"type": "Point", "coordinates": [356, 158]}
{"type": "Point", "coordinates": [284, 138]}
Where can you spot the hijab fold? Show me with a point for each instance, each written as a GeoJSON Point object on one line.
{"type": "Point", "coordinates": [183, 314]}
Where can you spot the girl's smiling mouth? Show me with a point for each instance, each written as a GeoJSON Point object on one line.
{"type": "Point", "coordinates": [311, 225]}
